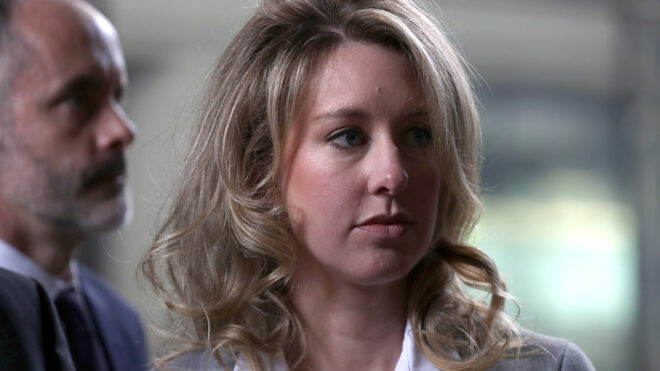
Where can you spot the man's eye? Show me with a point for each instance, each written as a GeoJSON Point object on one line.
{"type": "Point", "coordinates": [77, 100]}
{"type": "Point", "coordinates": [82, 103]}
{"type": "Point", "coordinates": [419, 136]}
{"type": "Point", "coordinates": [347, 138]}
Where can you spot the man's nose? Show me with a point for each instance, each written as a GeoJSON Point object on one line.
{"type": "Point", "coordinates": [386, 170]}
{"type": "Point", "coordinates": [116, 129]}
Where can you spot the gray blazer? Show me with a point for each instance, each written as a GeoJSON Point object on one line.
{"type": "Point", "coordinates": [546, 353]}
{"type": "Point", "coordinates": [543, 353]}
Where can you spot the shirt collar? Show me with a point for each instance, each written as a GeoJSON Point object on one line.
{"type": "Point", "coordinates": [14, 260]}
{"type": "Point", "coordinates": [411, 359]}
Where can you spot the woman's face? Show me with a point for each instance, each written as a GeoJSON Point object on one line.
{"type": "Point", "coordinates": [362, 178]}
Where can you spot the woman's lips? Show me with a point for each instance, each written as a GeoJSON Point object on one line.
{"type": "Point", "coordinates": [385, 230]}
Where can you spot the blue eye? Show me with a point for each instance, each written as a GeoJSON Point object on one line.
{"type": "Point", "coordinates": [346, 138]}
{"type": "Point", "coordinates": [419, 136]}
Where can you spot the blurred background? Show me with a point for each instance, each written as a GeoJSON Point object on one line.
{"type": "Point", "coordinates": [570, 104]}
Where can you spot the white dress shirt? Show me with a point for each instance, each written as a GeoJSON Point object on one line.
{"type": "Point", "coordinates": [411, 359]}
{"type": "Point", "coordinates": [15, 261]}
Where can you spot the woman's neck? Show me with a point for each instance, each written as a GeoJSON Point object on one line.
{"type": "Point", "coordinates": [350, 327]}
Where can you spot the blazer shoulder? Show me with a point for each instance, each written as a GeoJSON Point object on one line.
{"type": "Point", "coordinates": [542, 352]}
{"type": "Point", "coordinates": [93, 283]}
{"type": "Point", "coordinates": [119, 325]}
{"type": "Point", "coordinates": [105, 301]}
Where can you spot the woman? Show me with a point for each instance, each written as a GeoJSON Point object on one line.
{"type": "Point", "coordinates": [321, 216]}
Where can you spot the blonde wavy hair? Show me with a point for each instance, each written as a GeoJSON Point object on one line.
{"type": "Point", "coordinates": [224, 257]}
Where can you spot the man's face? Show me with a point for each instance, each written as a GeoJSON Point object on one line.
{"type": "Point", "coordinates": [63, 132]}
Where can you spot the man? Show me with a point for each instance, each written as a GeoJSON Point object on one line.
{"type": "Point", "coordinates": [30, 336]}
{"type": "Point", "coordinates": [62, 141]}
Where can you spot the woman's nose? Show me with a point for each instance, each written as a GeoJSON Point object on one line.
{"type": "Point", "coordinates": [387, 174]}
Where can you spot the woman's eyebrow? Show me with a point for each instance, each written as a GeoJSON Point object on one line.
{"type": "Point", "coordinates": [421, 112]}
{"type": "Point", "coordinates": [341, 113]}
{"type": "Point", "coordinates": [354, 113]}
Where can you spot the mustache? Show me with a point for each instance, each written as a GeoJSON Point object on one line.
{"type": "Point", "coordinates": [102, 169]}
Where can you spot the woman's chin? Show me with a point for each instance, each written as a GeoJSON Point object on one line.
{"type": "Point", "coordinates": [375, 273]}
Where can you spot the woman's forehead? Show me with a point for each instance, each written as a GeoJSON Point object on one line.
{"type": "Point", "coordinates": [358, 74]}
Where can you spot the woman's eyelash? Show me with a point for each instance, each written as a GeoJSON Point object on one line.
{"type": "Point", "coordinates": [347, 138]}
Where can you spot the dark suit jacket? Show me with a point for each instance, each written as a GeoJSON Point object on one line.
{"type": "Point", "coordinates": [118, 325]}
{"type": "Point", "coordinates": [31, 338]}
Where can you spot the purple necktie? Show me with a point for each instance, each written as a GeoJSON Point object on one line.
{"type": "Point", "coordinates": [85, 346]}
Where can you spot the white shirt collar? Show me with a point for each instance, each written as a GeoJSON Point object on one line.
{"type": "Point", "coordinates": [14, 260]}
{"type": "Point", "coordinates": [411, 359]}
